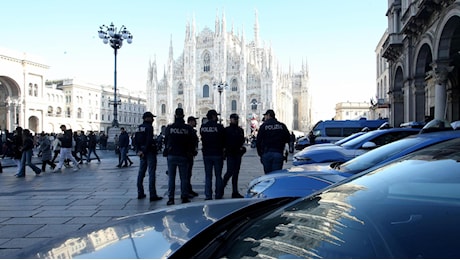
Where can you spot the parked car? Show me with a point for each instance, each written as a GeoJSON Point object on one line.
{"type": "Point", "coordinates": [306, 179]}
{"type": "Point", "coordinates": [330, 131]}
{"type": "Point", "coordinates": [352, 148]}
{"type": "Point", "coordinates": [304, 141]}
{"type": "Point", "coordinates": [406, 209]}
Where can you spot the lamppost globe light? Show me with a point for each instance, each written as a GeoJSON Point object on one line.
{"type": "Point", "coordinates": [110, 34]}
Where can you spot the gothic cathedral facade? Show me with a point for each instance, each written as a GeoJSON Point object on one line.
{"type": "Point", "coordinates": [220, 70]}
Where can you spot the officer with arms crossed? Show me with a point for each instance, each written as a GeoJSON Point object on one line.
{"type": "Point", "coordinates": [271, 141]}
{"type": "Point", "coordinates": [147, 151]}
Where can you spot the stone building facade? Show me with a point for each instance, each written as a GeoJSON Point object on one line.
{"type": "Point", "coordinates": [224, 71]}
{"type": "Point", "coordinates": [423, 52]}
{"type": "Point", "coordinates": [28, 99]}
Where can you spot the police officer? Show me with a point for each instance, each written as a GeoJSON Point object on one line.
{"type": "Point", "coordinates": [180, 140]}
{"type": "Point", "coordinates": [147, 151]}
{"type": "Point", "coordinates": [271, 141]}
{"type": "Point", "coordinates": [234, 150]}
{"type": "Point", "coordinates": [213, 141]}
{"type": "Point", "coordinates": [191, 121]}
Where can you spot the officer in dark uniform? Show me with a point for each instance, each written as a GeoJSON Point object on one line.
{"type": "Point", "coordinates": [213, 141]}
{"type": "Point", "coordinates": [271, 141]}
{"type": "Point", "coordinates": [180, 141]}
{"type": "Point", "coordinates": [234, 150]}
{"type": "Point", "coordinates": [191, 121]}
{"type": "Point", "coordinates": [147, 151]}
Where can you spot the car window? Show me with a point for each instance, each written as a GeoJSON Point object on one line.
{"type": "Point", "coordinates": [357, 140]}
{"type": "Point", "coordinates": [371, 158]}
{"type": "Point", "coordinates": [389, 137]}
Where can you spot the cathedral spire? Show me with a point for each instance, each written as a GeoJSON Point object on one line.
{"type": "Point", "coordinates": [217, 27]}
{"type": "Point", "coordinates": [187, 31]}
{"type": "Point", "coordinates": [256, 30]}
{"type": "Point", "coordinates": [193, 28]}
{"type": "Point", "coordinates": [171, 49]}
{"type": "Point", "coordinates": [224, 24]}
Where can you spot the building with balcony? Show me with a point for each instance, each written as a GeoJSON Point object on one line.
{"type": "Point", "coordinates": [422, 49]}
{"type": "Point", "coordinates": [380, 106]}
{"type": "Point", "coordinates": [28, 99]}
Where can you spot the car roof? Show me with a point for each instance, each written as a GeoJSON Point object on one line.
{"type": "Point", "coordinates": [377, 132]}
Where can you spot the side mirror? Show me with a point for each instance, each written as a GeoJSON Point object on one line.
{"type": "Point", "coordinates": [368, 145]}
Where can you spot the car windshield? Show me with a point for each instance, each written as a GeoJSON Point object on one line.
{"type": "Point", "coordinates": [348, 138]}
{"type": "Point", "coordinates": [373, 157]}
{"type": "Point", "coordinates": [358, 139]}
{"type": "Point", "coordinates": [407, 209]}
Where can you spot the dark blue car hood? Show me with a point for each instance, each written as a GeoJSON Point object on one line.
{"type": "Point", "coordinates": [155, 234]}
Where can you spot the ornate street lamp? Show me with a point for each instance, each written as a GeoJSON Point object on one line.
{"type": "Point", "coordinates": [110, 34]}
{"type": "Point", "coordinates": [220, 86]}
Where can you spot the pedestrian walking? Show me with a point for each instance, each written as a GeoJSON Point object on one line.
{"type": "Point", "coordinates": [16, 146]}
{"type": "Point", "coordinates": [191, 121]}
{"type": "Point", "coordinates": [116, 142]}
{"type": "Point", "coordinates": [66, 139]}
{"type": "Point", "coordinates": [147, 151]}
{"type": "Point", "coordinates": [81, 146]}
{"type": "Point", "coordinates": [179, 145]}
{"type": "Point", "coordinates": [103, 141]}
{"type": "Point", "coordinates": [213, 141]}
{"type": "Point", "coordinates": [123, 144]}
{"type": "Point", "coordinates": [92, 142]}
{"type": "Point", "coordinates": [234, 150]}
{"type": "Point", "coordinates": [291, 142]}
{"type": "Point", "coordinates": [56, 146]}
{"type": "Point", "coordinates": [271, 142]}
{"type": "Point", "coordinates": [45, 150]}
{"type": "Point", "coordinates": [27, 152]}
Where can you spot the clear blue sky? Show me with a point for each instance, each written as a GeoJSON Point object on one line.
{"type": "Point", "coordinates": [337, 38]}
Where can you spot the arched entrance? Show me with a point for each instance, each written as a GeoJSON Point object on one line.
{"type": "Point", "coordinates": [422, 107]}
{"type": "Point", "coordinates": [398, 98]}
{"type": "Point", "coordinates": [10, 103]}
{"type": "Point", "coordinates": [34, 124]}
{"type": "Point", "coordinates": [449, 51]}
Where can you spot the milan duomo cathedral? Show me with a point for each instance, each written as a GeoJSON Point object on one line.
{"type": "Point", "coordinates": [224, 71]}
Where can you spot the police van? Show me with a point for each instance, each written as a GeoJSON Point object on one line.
{"type": "Point", "coordinates": [330, 131]}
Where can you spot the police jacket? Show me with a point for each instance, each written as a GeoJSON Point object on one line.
{"type": "Point", "coordinates": [234, 140]}
{"type": "Point", "coordinates": [212, 138]}
{"type": "Point", "coordinates": [123, 139]}
{"type": "Point", "coordinates": [144, 138]}
{"type": "Point", "coordinates": [272, 137]}
{"type": "Point", "coordinates": [180, 139]}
